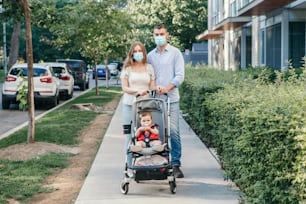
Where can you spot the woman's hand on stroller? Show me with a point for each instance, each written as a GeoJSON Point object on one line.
{"type": "Point", "coordinates": [152, 92]}
{"type": "Point", "coordinates": [142, 93]}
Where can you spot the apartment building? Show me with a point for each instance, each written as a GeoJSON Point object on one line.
{"type": "Point", "coordinates": [243, 33]}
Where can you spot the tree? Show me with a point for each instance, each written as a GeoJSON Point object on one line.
{"type": "Point", "coordinates": [31, 128]}
{"type": "Point", "coordinates": [13, 13]}
{"type": "Point", "coordinates": [15, 43]}
{"type": "Point", "coordinates": [97, 29]}
{"type": "Point", "coordinates": [105, 34]}
{"type": "Point", "coordinates": [185, 19]}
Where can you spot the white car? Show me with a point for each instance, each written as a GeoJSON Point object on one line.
{"type": "Point", "coordinates": [64, 73]}
{"type": "Point", "coordinates": [46, 84]}
{"type": "Point", "coordinates": [112, 67]}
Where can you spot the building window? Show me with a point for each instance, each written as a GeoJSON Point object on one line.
{"type": "Point", "coordinates": [296, 42]}
{"type": "Point", "coordinates": [273, 46]}
{"type": "Point", "coordinates": [262, 47]}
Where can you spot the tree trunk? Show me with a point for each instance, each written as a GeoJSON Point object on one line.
{"type": "Point", "coordinates": [96, 78]}
{"type": "Point", "coordinates": [13, 55]}
{"type": "Point", "coordinates": [31, 127]}
{"type": "Point", "coordinates": [106, 68]}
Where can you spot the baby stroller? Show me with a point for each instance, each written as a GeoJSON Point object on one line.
{"type": "Point", "coordinates": [149, 164]}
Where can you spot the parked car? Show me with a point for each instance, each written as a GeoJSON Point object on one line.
{"type": "Point", "coordinates": [46, 84]}
{"type": "Point", "coordinates": [101, 72]}
{"type": "Point", "coordinates": [64, 73]}
{"type": "Point", "coordinates": [119, 65]}
{"type": "Point", "coordinates": [79, 71]}
{"type": "Point", "coordinates": [113, 69]}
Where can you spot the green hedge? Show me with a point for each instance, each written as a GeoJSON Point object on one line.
{"type": "Point", "coordinates": [258, 128]}
{"type": "Point", "coordinates": [201, 82]}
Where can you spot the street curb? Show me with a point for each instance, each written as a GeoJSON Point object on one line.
{"type": "Point", "coordinates": [11, 131]}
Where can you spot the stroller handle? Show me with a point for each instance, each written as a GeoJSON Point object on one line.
{"type": "Point", "coordinates": [152, 93]}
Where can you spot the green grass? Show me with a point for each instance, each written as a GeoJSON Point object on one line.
{"type": "Point", "coordinates": [20, 180]}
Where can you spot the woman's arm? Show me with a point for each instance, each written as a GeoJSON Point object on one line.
{"type": "Point", "coordinates": [152, 85]}
{"type": "Point", "coordinates": [126, 88]}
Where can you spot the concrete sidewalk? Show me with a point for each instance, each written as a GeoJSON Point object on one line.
{"type": "Point", "coordinates": [203, 182]}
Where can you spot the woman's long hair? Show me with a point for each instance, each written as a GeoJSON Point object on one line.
{"type": "Point", "coordinates": [129, 61]}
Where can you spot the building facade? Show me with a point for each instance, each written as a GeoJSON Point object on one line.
{"type": "Point", "coordinates": [251, 33]}
{"type": "Point", "coordinates": [197, 55]}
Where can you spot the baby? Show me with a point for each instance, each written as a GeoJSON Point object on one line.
{"type": "Point", "coordinates": [147, 134]}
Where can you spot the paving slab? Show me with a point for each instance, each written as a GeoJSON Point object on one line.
{"type": "Point", "coordinates": [203, 183]}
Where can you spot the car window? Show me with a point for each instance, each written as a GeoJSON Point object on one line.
{"type": "Point", "coordinates": [72, 64]}
{"type": "Point", "coordinates": [39, 72]}
{"type": "Point", "coordinates": [69, 68]}
{"type": "Point", "coordinates": [59, 70]}
{"type": "Point", "coordinates": [84, 67]}
{"type": "Point", "coordinates": [15, 71]}
{"type": "Point", "coordinates": [76, 66]}
{"type": "Point", "coordinates": [100, 67]}
{"type": "Point", "coordinates": [24, 71]}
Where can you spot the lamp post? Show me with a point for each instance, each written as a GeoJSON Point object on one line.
{"type": "Point", "coordinates": [4, 40]}
{"type": "Point", "coordinates": [4, 48]}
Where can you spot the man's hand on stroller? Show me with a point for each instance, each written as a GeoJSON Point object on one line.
{"type": "Point", "coordinates": [164, 90]}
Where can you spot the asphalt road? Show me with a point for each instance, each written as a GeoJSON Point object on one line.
{"type": "Point", "coordinates": [13, 118]}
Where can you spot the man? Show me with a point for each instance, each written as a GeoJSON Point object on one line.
{"type": "Point", "coordinates": [168, 64]}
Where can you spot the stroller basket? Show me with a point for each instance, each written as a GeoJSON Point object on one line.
{"type": "Point", "coordinates": [151, 174]}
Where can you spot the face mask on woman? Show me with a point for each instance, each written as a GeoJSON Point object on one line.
{"type": "Point", "coordinates": [138, 56]}
{"type": "Point", "coordinates": [160, 40]}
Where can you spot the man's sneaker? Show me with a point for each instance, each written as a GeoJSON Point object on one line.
{"type": "Point", "coordinates": [135, 148]}
{"type": "Point", "coordinates": [177, 172]}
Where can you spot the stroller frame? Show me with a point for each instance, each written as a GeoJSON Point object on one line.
{"type": "Point", "coordinates": [160, 110]}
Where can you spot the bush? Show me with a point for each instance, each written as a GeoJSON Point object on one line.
{"type": "Point", "coordinates": [257, 124]}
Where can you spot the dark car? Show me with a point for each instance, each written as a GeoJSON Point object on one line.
{"type": "Point", "coordinates": [79, 72]}
{"type": "Point", "coordinates": [101, 72]}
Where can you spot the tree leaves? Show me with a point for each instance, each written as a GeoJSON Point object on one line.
{"type": "Point", "coordinates": [184, 19]}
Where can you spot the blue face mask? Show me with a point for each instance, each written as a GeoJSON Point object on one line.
{"type": "Point", "coordinates": [160, 40]}
{"type": "Point", "coordinates": [138, 56]}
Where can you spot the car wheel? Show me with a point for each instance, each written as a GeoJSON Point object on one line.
{"type": "Point", "coordinates": [5, 104]}
{"type": "Point", "coordinates": [70, 95]}
{"type": "Point", "coordinates": [57, 99]}
{"type": "Point", "coordinates": [54, 101]}
{"type": "Point", "coordinates": [83, 86]}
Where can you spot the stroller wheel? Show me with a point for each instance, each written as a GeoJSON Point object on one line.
{"type": "Point", "coordinates": [124, 188]}
{"type": "Point", "coordinates": [172, 187]}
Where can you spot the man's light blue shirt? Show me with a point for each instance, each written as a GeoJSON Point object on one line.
{"type": "Point", "coordinates": [169, 67]}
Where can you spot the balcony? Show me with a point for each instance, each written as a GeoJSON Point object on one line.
{"type": "Point", "coordinates": [221, 21]}
{"type": "Point", "coordinates": [231, 23]}
{"type": "Point", "coordinates": [260, 7]}
{"type": "Point", "coordinates": [209, 34]}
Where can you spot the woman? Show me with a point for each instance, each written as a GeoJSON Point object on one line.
{"type": "Point", "coordinates": [137, 78]}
